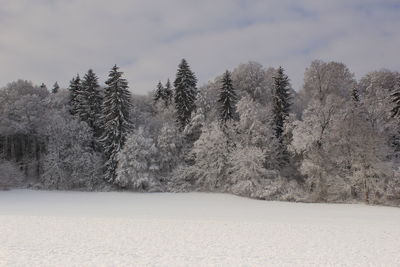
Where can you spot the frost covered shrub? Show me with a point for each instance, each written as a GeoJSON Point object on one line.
{"type": "Point", "coordinates": [10, 175]}
{"type": "Point", "coordinates": [138, 163]}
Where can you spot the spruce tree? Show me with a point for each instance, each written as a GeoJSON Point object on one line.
{"type": "Point", "coordinates": [55, 89]}
{"type": "Point", "coordinates": [227, 99]}
{"type": "Point", "coordinates": [90, 101]}
{"type": "Point", "coordinates": [281, 102]}
{"type": "Point", "coordinates": [74, 89]}
{"type": "Point", "coordinates": [115, 121]}
{"type": "Point", "coordinates": [185, 93]}
{"type": "Point", "coordinates": [159, 93]}
{"type": "Point", "coordinates": [168, 94]}
{"type": "Point", "coordinates": [281, 108]}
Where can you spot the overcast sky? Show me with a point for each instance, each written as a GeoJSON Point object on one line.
{"type": "Point", "coordinates": [52, 40]}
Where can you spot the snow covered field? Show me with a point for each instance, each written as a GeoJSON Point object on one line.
{"type": "Point", "coordinates": [39, 228]}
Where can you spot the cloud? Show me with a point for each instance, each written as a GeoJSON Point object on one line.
{"type": "Point", "coordinates": [52, 40]}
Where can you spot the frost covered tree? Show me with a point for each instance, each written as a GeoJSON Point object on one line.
{"type": "Point", "coordinates": [74, 89]}
{"type": "Point", "coordinates": [254, 80]}
{"type": "Point", "coordinates": [246, 171]}
{"type": "Point", "coordinates": [210, 152]}
{"type": "Point", "coordinates": [227, 99]}
{"type": "Point", "coordinates": [115, 119]}
{"type": "Point", "coordinates": [376, 91]}
{"type": "Point", "coordinates": [328, 86]}
{"type": "Point", "coordinates": [23, 114]}
{"type": "Point", "coordinates": [185, 93]}
{"type": "Point", "coordinates": [138, 163]}
{"type": "Point", "coordinates": [70, 161]}
{"type": "Point", "coordinates": [55, 88]}
{"type": "Point", "coordinates": [311, 139]}
{"type": "Point", "coordinates": [325, 78]}
{"type": "Point", "coordinates": [169, 144]}
{"type": "Point", "coordinates": [254, 130]}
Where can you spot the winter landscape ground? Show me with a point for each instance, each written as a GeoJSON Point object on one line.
{"type": "Point", "coordinates": [53, 228]}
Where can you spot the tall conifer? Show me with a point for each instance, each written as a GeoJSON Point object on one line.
{"type": "Point", "coordinates": [115, 119]}
{"type": "Point", "coordinates": [185, 93]}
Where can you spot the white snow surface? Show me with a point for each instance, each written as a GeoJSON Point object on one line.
{"type": "Point", "coordinates": [48, 228]}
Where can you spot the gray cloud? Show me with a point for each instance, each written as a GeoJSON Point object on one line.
{"type": "Point", "coordinates": [48, 41]}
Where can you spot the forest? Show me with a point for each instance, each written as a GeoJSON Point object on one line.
{"type": "Point", "coordinates": [247, 132]}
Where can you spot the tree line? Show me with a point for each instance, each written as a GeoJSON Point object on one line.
{"type": "Point", "coordinates": [247, 132]}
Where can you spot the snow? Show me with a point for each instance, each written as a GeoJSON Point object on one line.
{"type": "Point", "coordinates": [49, 228]}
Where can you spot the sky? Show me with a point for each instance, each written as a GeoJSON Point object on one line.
{"type": "Point", "coordinates": [53, 40]}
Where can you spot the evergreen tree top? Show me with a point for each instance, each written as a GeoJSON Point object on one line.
{"type": "Point", "coordinates": [90, 80]}
{"type": "Point", "coordinates": [185, 77]}
{"type": "Point", "coordinates": [56, 87]}
{"type": "Point", "coordinates": [159, 93]}
{"type": "Point", "coordinates": [115, 78]}
{"type": "Point", "coordinates": [168, 84]}
{"type": "Point", "coordinates": [227, 98]}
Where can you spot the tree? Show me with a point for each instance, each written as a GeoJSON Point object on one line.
{"type": "Point", "coordinates": [227, 99]}
{"type": "Point", "coordinates": [280, 110]}
{"type": "Point", "coordinates": [254, 80]}
{"type": "Point", "coordinates": [168, 94]}
{"type": "Point", "coordinates": [115, 119]}
{"type": "Point", "coordinates": [281, 102]}
{"type": "Point", "coordinates": [159, 93]}
{"type": "Point", "coordinates": [210, 154]}
{"type": "Point", "coordinates": [325, 78]}
{"type": "Point", "coordinates": [246, 171]}
{"type": "Point", "coordinates": [169, 144]}
{"type": "Point", "coordinates": [89, 101]}
{"type": "Point", "coordinates": [55, 89]}
{"type": "Point", "coordinates": [377, 91]}
{"type": "Point", "coordinates": [74, 89]}
{"type": "Point", "coordinates": [70, 161]}
{"type": "Point", "coordinates": [185, 93]}
{"type": "Point", "coordinates": [138, 163]}
{"type": "Point", "coordinates": [254, 130]}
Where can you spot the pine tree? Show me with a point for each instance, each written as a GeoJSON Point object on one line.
{"type": "Point", "coordinates": [168, 94]}
{"type": "Point", "coordinates": [159, 93]}
{"type": "Point", "coordinates": [281, 104]}
{"type": "Point", "coordinates": [227, 99]}
{"type": "Point", "coordinates": [185, 93]}
{"type": "Point", "coordinates": [115, 119]}
{"type": "Point", "coordinates": [55, 89]}
{"type": "Point", "coordinates": [90, 101]}
{"type": "Point", "coordinates": [74, 89]}
{"type": "Point", "coordinates": [281, 108]}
